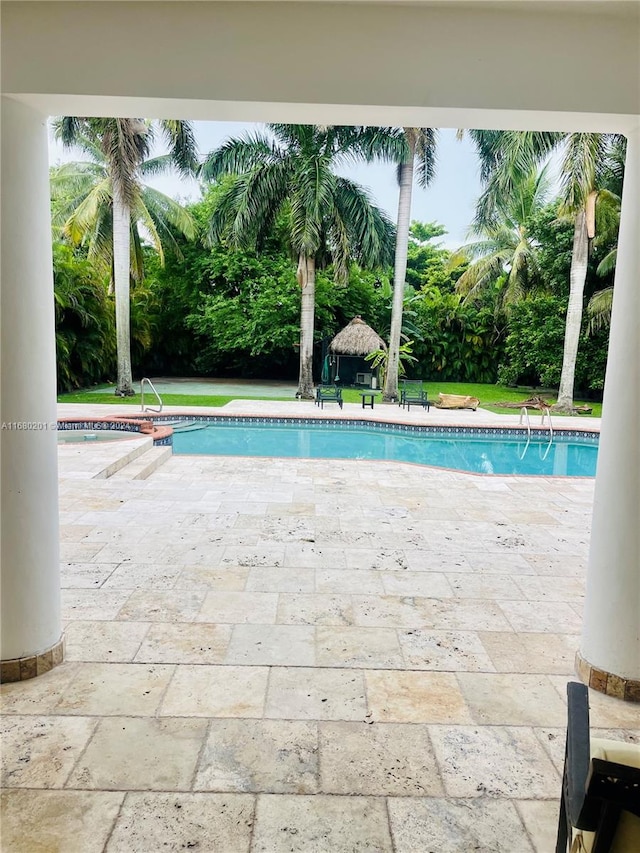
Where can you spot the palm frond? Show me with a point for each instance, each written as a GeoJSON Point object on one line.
{"type": "Point", "coordinates": [80, 222]}
{"type": "Point", "coordinates": [372, 232]}
{"type": "Point", "coordinates": [599, 309]}
{"type": "Point", "coordinates": [183, 148]}
{"type": "Point", "coordinates": [608, 264]}
{"type": "Point", "coordinates": [425, 151]}
{"type": "Point", "coordinates": [583, 158]}
{"type": "Point", "coordinates": [236, 156]}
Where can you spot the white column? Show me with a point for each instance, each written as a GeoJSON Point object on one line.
{"type": "Point", "coordinates": [30, 612]}
{"type": "Point", "coordinates": [611, 632]}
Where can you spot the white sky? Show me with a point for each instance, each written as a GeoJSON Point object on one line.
{"type": "Point", "coordinates": [449, 200]}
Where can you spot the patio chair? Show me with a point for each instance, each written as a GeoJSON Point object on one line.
{"type": "Point", "coordinates": [600, 804]}
{"type": "Point", "coordinates": [328, 394]}
{"type": "Point", "coordinates": [413, 393]}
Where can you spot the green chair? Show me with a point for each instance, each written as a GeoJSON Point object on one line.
{"type": "Point", "coordinates": [413, 393]}
{"type": "Point", "coordinates": [328, 394]}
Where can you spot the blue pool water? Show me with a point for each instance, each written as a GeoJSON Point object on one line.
{"type": "Point", "coordinates": [482, 454]}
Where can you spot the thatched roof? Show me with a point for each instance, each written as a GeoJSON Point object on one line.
{"type": "Point", "coordinates": [356, 339]}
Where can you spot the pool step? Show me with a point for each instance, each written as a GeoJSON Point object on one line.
{"type": "Point", "coordinates": [117, 463]}
{"type": "Point", "coordinates": [145, 464]}
{"type": "Point", "coordinates": [185, 426]}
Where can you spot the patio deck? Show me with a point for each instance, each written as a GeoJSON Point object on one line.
{"type": "Point", "coordinates": [285, 655]}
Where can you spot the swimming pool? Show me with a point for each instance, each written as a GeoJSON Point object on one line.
{"type": "Point", "coordinates": [478, 450]}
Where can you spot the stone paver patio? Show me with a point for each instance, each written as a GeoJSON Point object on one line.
{"type": "Point", "coordinates": [301, 655]}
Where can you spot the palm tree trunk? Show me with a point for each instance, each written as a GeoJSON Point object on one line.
{"type": "Point", "coordinates": [577, 278]}
{"type": "Point", "coordinates": [307, 280]}
{"type": "Point", "coordinates": [399, 275]}
{"type": "Point", "coordinates": [121, 273]}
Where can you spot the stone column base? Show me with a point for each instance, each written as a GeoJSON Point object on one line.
{"type": "Point", "coordinates": [606, 682]}
{"type": "Point", "coordinates": [20, 669]}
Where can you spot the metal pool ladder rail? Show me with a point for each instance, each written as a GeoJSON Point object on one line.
{"type": "Point", "coordinates": [525, 414]}
{"type": "Point", "coordinates": [159, 399]}
{"type": "Point", "coordinates": [547, 414]}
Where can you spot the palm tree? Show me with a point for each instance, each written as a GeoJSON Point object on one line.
{"type": "Point", "coordinates": [123, 145]}
{"type": "Point", "coordinates": [413, 151]}
{"type": "Point", "coordinates": [505, 249]}
{"type": "Point", "coordinates": [586, 155]}
{"type": "Point", "coordinates": [291, 171]}
{"type": "Point", "coordinates": [582, 177]}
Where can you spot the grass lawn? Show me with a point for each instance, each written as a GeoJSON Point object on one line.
{"type": "Point", "coordinates": [489, 396]}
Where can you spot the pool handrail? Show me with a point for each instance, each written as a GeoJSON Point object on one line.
{"type": "Point", "coordinates": [158, 397]}
{"type": "Point", "coordinates": [525, 414]}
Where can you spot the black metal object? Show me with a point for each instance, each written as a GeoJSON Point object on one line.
{"type": "Point", "coordinates": [594, 792]}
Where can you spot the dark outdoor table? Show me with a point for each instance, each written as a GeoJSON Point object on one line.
{"type": "Point", "coordinates": [367, 398]}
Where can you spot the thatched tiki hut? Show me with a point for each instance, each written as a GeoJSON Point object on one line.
{"type": "Point", "coordinates": [348, 349]}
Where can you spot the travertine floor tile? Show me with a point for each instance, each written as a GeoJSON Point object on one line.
{"type": "Point", "coordinates": [268, 579]}
{"type": "Point", "coordinates": [313, 556]}
{"type": "Point", "coordinates": [176, 605]}
{"type": "Point", "coordinates": [98, 604]}
{"type": "Point", "coordinates": [549, 588]}
{"type": "Point", "coordinates": [315, 609]}
{"type": "Point", "coordinates": [69, 821]}
{"type": "Point", "coordinates": [230, 578]}
{"type": "Point", "coordinates": [605, 712]}
{"type": "Point", "coordinates": [37, 695]}
{"type": "Point", "coordinates": [298, 693]}
{"type": "Point", "coordinates": [108, 642]}
{"type": "Point", "coordinates": [424, 584]}
{"type": "Point", "coordinates": [347, 581]}
{"type": "Point", "coordinates": [272, 645]}
{"type": "Point", "coordinates": [215, 823]}
{"type": "Point", "coordinates": [496, 761]}
{"type": "Point", "coordinates": [359, 647]}
{"type": "Point", "coordinates": [540, 818]}
{"type": "Point", "coordinates": [553, 617]}
{"type": "Point", "coordinates": [254, 555]}
{"type": "Point", "coordinates": [380, 759]}
{"type": "Point", "coordinates": [184, 642]}
{"type": "Point", "coordinates": [512, 699]}
{"type": "Point", "coordinates": [257, 608]}
{"type": "Point", "coordinates": [454, 826]}
{"type": "Point", "coordinates": [140, 753]}
{"type": "Point", "coordinates": [85, 575]}
{"type": "Point", "coordinates": [415, 697]}
{"type": "Point", "coordinates": [537, 652]}
{"type": "Point", "coordinates": [115, 688]}
{"type": "Point", "coordinates": [278, 756]}
{"type": "Point", "coordinates": [319, 824]}
{"type": "Point", "coordinates": [484, 586]}
{"type": "Point", "coordinates": [39, 752]}
{"type": "Point", "coordinates": [216, 691]}
{"type": "Point", "coordinates": [143, 576]}
{"type": "Point", "coordinates": [380, 559]}
{"type": "Point", "coordinates": [444, 650]}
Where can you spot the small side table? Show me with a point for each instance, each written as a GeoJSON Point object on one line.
{"type": "Point", "coordinates": [367, 398]}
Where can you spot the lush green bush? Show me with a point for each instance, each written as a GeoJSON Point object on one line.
{"type": "Point", "coordinates": [534, 345]}
{"type": "Point", "coordinates": [461, 343]}
{"type": "Point", "coordinates": [85, 322]}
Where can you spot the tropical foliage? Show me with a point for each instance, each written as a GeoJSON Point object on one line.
{"type": "Point", "coordinates": [105, 198]}
{"type": "Point", "coordinates": [281, 253]}
{"type": "Point", "coordinates": [291, 172]}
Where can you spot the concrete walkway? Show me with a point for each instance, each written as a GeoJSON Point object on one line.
{"type": "Point", "coordinates": [289, 655]}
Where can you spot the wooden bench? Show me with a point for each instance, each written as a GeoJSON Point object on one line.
{"type": "Point", "coordinates": [328, 394]}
